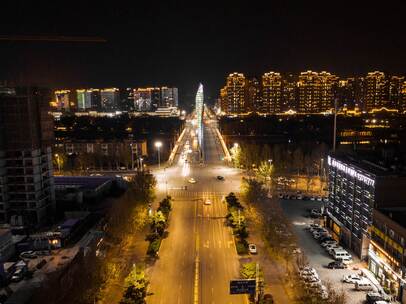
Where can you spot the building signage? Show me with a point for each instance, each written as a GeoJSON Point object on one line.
{"type": "Point", "coordinates": [350, 171]}
{"type": "Point", "coordinates": [243, 286]}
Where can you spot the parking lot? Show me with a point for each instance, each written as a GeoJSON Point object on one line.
{"type": "Point", "coordinates": [318, 258]}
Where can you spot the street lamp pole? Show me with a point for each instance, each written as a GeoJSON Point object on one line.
{"type": "Point", "coordinates": [132, 157]}
{"type": "Point", "coordinates": [158, 145]}
{"type": "Point", "coordinates": [58, 162]}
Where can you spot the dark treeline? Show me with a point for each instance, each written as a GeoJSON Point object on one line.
{"type": "Point", "coordinates": [119, 127]}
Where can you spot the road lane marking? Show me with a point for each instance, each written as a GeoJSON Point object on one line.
{"type": "Point", "coordinates": [196, 283]}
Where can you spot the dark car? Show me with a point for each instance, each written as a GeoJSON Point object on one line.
{"type": "Point", "coordinates": [325, 239]}
{"type": "Point", "coordinates": [336, 265]}
{"type": "Point", "coordinates": [219, 177]}
{"type": "Point", "coordinates": [372, 297]}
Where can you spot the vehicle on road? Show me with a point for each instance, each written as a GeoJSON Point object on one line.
{"type": "Point", "coordinates": [252, 248]}
{"type": "Point", "coordinates": [352, 278]}
{"type": "Point", "coordinates": [221, 178]}
{"type": "Point", "coordinates": [336, 265]}
{"type": "Point", "coordinates": [207, 202]}
{"type": "Point", "coordinates": [192, 180]}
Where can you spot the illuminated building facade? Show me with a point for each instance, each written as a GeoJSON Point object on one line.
{"type": "Point", "coordinates": [253, 95]}
{"type": "Point", "coordinates": [84, 99]}
{"type": "Point", "coordinates": [289, 98]}
{"type": "Point", "coordinates": [272, 93]}
{"type": "Point", "coordinates": [235, 98]}
{"type": "Point", "coordinates": [169, 97]}
{"type": "Point", "coordinates": [143, 99]}
{"type": "Point", "coordinates": [110, 98]}
{"type": "Point", "coordinates": [199, 115]}
{"type": "Point", "coordinates": [387, 250]}
{"type": "Point", "coordinates": [63, 100]}
{"type": "Point", "coordinates": [316, 91]}
{"type": "Point", "coordinates": [356, 187]}
{"type": "Point", "coordinates": [376, 91]}
{"type": "Point", "coordinates": [395, 92]}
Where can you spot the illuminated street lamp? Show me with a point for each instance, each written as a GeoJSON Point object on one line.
{"type": "Point", "coordinates": [158, 145]}
{"type": "Point", "coordinates": [141, 159]}
{"type": "Point", "coordinates": [58, 162]}
{"type": "Point", "coordinates": [235, 145]}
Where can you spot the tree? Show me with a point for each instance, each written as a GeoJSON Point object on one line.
{"type": "Point", "coordinates": [143, 183]}
{"type": "Point", "coordinates": [265, 170]}
{"type": "Point", "coordinates": [253, 190]}
{"type": "Point", "coordinates": [232, 201]}
{"type": "Point", "coordinates": [236, 155]}
{"type": "Point", "coordinates": [136, 288]}
{"type": "Point", "coordinates": [158, 222]}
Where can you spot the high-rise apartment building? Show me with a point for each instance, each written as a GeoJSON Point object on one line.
{"type": "Point", "coordinates": [316, 91]}
{"type": "Point", "coordinates": [328, 90]}
{"type": "Point", "coordinates": [27, 194]}
{"type": "Point", "coordinates": [309, 92]}
{"type": "Point", "coordinates": [395, 92]}
{"type": "Point", "coordinates": [235, 98]}
{"type": "Point", "coordinates": [155, 98]}
{"type": "Point", "coordinates": [253, 95]}
{"type": "Point", "coordinates": [110, 98]}
{"type": "Point", "coordinates": [272, 93]}
{"type": "Point", "coordinates": [376, 91]}
{"type": "Point", "coordinates": [84, 99]}
{"type": "Point", "coordinates": [289, 93]}
{"type": "Point", "coordinates": [402, 106]}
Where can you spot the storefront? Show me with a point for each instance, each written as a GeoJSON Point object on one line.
{"type": "Point", "coordinates": [391, 281]}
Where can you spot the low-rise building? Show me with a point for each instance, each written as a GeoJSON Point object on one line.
{"type": "Point", "coordinates": [387, 250]}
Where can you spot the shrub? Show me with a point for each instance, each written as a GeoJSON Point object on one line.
{"type": "Point", "coordinates": [153, 247]}
{"type": "Point", "coordinates": [241, 246]}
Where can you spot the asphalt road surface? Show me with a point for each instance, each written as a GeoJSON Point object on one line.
{"type": "Point", "coordinates": [198, 258]}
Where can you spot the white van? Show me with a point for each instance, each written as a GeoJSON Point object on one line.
{"type": "Point", "coordinates": [345, 260]}
{"type": "Point", "coordinates": [339, 252]}
{"type": "Point", "coordinates": [341, 255]}
{"type": "Point", "coordinates": [364, 285]}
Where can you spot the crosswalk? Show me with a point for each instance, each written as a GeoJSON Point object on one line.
{"type": "Point", "coordinates": [195, 194]}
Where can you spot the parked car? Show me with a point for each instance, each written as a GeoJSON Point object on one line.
{"type": "Point", "coordinates": [364, 285]}
{"type": "Point", "coordinates": [352, 278]}
{"type": "Point", "coordinates": [219, 177]}
{"type": "Point", "coordinates": [336, 265]}
{"type": "Point", "coordinates": [308, 271]}
{"type": "Point", "coordinates": [375, 297]}
{"type": "Point", "coordinates": [252, 248]}
{"type": "Point", "coordinates": [192, 180]}
{"type": "Point", "coordinates": [296, 251]}
{"type": "Point", "coordinates": [327, 243]}
{"type": "Point", "coordinates": [28, 255]}
{"type": "Point", "coordinates": [18, 275]}
{"type": "Point", "coordinates": [207, 202]}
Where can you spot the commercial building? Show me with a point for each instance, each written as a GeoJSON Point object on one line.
{"type": "Point", "coordinates": [356, 187]}
{"type": "Point", "coordinates": [26, 172]}
{"type": "Point", "coordinates": [272, 93]}
{"type": "Point", "coordinates": [143, 99]}
{"type": "Point", "coordinates": [84, 99]}
{"type": "Point", "coordinates": [169, 97]}
{"type": "Point", "coordinates": [63, 100]}
{"type": "Point", "coordinates": [387, 250]}
{"type": "Point", "coordinates": [110, 98]}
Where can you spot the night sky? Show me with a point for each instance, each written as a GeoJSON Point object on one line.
{"type": "Point", "coordinates": [153, 43]}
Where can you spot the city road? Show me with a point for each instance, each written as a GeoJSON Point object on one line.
{"type": "Point", "coordinates": [198, 258]}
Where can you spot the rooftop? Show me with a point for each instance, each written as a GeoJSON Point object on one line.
{"type": "Point", "coordinates": [398, 215]}
{"type": "Point", "coordinates": [84, 182]}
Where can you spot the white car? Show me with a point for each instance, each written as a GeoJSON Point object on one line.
{"type": "Point", "coordinates": [192, 180]}
{"type": "Point", "coordinates": [252, 248]}
{"type": "Point", "coordinates": [207, 202]}
{"type": "Point", "coordinates": [352, 278]}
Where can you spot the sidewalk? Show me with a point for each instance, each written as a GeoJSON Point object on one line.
{"type": "Point", "coordinates": [274, 272]}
